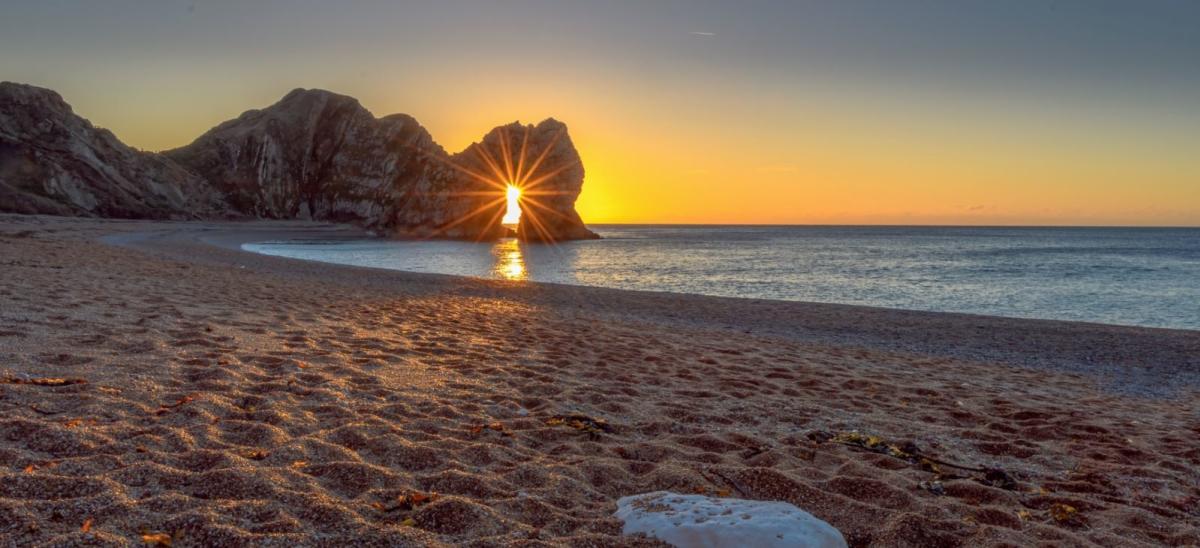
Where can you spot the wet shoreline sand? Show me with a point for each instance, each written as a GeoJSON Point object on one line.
{"type": "Point", "coordinates": [238, 398]}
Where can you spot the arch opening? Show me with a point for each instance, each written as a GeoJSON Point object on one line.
{"type": "Point", "coordinates": [512, 211]}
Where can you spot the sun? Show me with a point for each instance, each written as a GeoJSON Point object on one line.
{"type": "Point", "coordinates": [512, 214]}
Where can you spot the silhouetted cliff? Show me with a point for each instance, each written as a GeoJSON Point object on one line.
{"type": "Point", "coordinates": [313, 155]}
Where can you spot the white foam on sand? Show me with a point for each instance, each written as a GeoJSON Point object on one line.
{"type": "Point", "coordinates": [688, 521]}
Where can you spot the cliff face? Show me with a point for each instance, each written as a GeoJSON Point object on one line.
{"type": "Point", "coordinates": [316, 155]}
{"type": "Point", "coordinates": [313, 155]}
{"type": "Point", "coordinates": [54, 162]}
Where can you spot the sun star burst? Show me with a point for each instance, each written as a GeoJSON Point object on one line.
{"type": "Point", "coordinates": [513, 185]}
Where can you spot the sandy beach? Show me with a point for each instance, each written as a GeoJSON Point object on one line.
{"type": "Point", "coordinates": [158, 385]}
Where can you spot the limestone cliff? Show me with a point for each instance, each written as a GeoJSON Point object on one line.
{"type": "Point", "coordinates": [319, 155]}
{"type": "Point", "coordinates": [54, 162]}
{"type": "Point", "coordinates": [313, 155]}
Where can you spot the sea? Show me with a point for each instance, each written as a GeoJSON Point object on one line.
{"type": "Point", "coordinates": [1128, 276]}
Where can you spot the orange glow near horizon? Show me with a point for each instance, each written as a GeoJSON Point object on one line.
{"type": "Point", "coordinates": [833, 155]}
{"type": "Point", "coordinates": [817, 156]}
{"type": "Point", "coordinates": [512, 213]}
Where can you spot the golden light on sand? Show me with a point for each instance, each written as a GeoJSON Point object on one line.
{"type": "Point", "coordinates": [510, 261]}
{"type": "Point", "coordinates": [512, 214]}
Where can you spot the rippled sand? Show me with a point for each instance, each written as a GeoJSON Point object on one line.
{"type": "Point", "coordinates": [224, 398]}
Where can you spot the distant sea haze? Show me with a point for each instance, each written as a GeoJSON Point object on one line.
{"type": "Point", "coordinates": [1130, 276]}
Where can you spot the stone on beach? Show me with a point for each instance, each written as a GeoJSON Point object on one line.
{"type": "Point", "coordinates": [689, 521]}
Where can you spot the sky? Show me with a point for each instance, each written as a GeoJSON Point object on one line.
{"type": "Point", "coordinates": [1049, 112]}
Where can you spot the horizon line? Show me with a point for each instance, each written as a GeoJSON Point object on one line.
{"type": "Point", "coordinates": [892, 225]}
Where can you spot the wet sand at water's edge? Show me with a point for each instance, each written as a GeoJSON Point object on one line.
{"type": "Point", "coordinates": [209, 396]}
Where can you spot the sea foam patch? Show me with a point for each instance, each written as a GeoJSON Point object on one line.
{"type": "Point", "coordinates": [688, 521]}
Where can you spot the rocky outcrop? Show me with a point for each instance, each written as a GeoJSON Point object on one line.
{"type": "Point", "coordinates": [313, 155]}
{"type": "Point", "coordinates": [543, 163]}
{"type": "Point", "coordinates": [54, 162]}
{"type": "Point", "coordinates": [319, 155]}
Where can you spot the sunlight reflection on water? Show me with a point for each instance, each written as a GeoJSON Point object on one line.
{"type": "Point", "coordinates": [510, 260]}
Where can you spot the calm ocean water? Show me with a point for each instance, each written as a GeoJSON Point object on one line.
{"type": "Point", "coordinates": [1131, 276]}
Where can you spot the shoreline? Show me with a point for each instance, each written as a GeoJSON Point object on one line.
{"type": "Point", "coordinates": [1073, 346]}
{"type": "Point", "coordinates": [233, 239]}
{"type": "Point", "coordinates": [228, 397]}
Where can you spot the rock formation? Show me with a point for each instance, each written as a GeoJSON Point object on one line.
{"type": "Point", "coordinates": [542, 161]}
{"type": "Point", "coordinates": [54, 162]}
{"type": "Point", "coordinates": [313, 155]}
